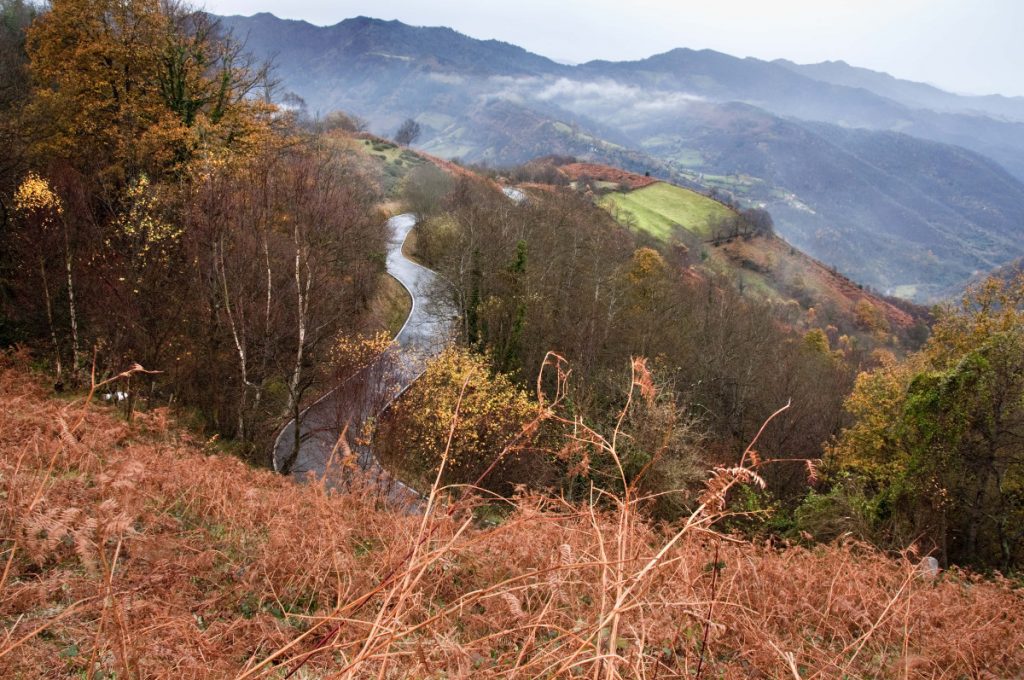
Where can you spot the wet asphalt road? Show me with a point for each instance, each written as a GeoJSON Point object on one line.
{"type": "Point", "coordinates": [366, 394]}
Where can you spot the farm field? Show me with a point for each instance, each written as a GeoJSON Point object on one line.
{"type": "Point", "coordinates": [659, 207]}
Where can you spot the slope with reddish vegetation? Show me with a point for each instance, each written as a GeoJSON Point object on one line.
{"type": "Point", "coordinates": [606, 173]}
{"type": "Point", "coordinates": [780, 264]}
{"type": "Point", "coordinates": [137, 550]}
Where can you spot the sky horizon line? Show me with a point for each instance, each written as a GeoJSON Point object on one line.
{"type": "Point", "coordinates": [841, 33]}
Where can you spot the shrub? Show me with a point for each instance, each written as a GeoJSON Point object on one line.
{"type": "Point", "coordinates": [490, 416]}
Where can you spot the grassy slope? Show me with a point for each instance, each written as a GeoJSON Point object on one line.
{"type": "Point", "coordinates": [766, 267]}
{"type": "Point", "coordinates": [776, 271]}
{"type": "Point", "coordinates": [383, 159]}
{"type": "Point", "coordinates": [390, 307]}
{"type": "Point", "coordinates": [659, 207]}
{"type": "Point", "coordinates": [132, 551]}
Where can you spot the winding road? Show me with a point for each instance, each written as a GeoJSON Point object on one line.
{"type": "Point", "coordinates": [370, 391]}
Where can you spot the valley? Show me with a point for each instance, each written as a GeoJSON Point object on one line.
{"type": "Point", "coordinates": [375, 350]}
{"type": "Point", "coordinates": [816, 152]}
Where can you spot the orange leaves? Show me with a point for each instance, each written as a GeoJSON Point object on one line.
{"type": "Point", "coordinates": [123, 87]}
{"type": "Point", "coordinates": [642, 379]}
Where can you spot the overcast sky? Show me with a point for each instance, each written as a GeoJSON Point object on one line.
{"type": "Point", "coordinates": [967, 46]}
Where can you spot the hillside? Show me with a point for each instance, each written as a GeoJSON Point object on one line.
{"type": "Point", "coordinates": [283, 398]}
{"type": "Point", "coordinates": [809, 146]}
{"type": "Point", "coordinates": [662, 207]}
{"type": "Point", "coordinates": [712, 76]}
{"type": "Point", "coordinates": [764, 265]}
{"type": "Point", "coordinates": [907, 92]}
{"type": "Point", "coordinates": [136, 550]}
{"type": "Point", "coordinates": [911, 217]}
{"type": "Point", "coordinates": [605, 173]}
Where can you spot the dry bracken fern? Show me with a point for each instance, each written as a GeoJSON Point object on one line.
{"type": "Point", "coordinates": [129, 555]}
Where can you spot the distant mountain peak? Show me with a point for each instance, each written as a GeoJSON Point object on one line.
{"type": "Point", "coordinates": [816, 144]}
{"type": "Point", "coordinates": [265, 18]}
{"type": "Point", "coordinates": [365, 21]}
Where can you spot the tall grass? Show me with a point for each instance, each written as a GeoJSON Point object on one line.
{"type": "Point", "coordinates": [130, 550]}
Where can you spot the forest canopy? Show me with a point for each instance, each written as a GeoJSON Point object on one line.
{"type": "Point", "coordinates": [160, 208]}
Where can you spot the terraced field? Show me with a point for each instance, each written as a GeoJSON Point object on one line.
{"type": "Point", "coordinates": [660, 207]}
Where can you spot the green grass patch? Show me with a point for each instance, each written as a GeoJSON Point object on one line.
{"type": "Point", "coordinates": [390, 153]}
{"type": "Point", "coordinates": [659, 207]}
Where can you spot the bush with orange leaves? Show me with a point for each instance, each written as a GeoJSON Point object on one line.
{"type": "Point", "coordinates": [133, 550]}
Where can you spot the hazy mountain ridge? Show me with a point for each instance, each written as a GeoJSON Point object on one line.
{"type": "Point", "coordinates": [908, 92]}
{"type": "Point", "coordinates": [787, 92]}
{"type": "Point", "coordinates": [958, 212]}
{"type": "Point", "coordinates": [846, 169]}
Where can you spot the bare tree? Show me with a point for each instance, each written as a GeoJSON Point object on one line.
{"type": "Point", "coordinates": [288, 251]}
{"type": "Point", "coordinates": [341, 120]}
{"type": "Point", "coordinates": [408, 132]}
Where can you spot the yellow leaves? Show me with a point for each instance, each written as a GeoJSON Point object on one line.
{"type": "Point", "coordinates": [34, 195]}
{"type": "Point", "coordinates": [875, 443]}
{"type": "Point", "coordinates": [870, 317]}
{"type": "Point", "coordinates": [355, 352]}
{"type": "Point", "coordinates": [491, 412]}
{"type": "Point", "coordinates": [816, 341]}
{"type": "Point", "coordinates": [93, 63]}
{"type": "Point", "coordinates": [994, 306]}
{"type": "Point", "coordinates": [141, 222]}
{"type": "Point", "coordinates": [647, 265]}
{"type": "Point", "coordinates": [129, 85]}
{"type": "Point", "coordinates": [877, 400]}
{"type": "Point", "coordinates": [646, 280]}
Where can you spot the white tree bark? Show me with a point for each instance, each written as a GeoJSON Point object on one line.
{"type": "Point", "coordinates": [238, 334]}
{"type": "Point", "coordinates": [71, 306]}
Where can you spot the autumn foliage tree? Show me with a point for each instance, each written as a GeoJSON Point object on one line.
{"type": "Point", "coordinates": [39, 207]}
{"type": "Point", "coordinates": [15, 17]}
{"type": "Point", "coordinates": [170, 214]}
{"type": "Point", "coordinates": [938, 440]}
{"type": "Point", "coordinates": [138, 86]}
{"type": "Point", "coordinates": [587, 289]}
{"type": "Point", "coordinates": [462, 413]}
{"type": "Point", "coordinates": [286, 252]}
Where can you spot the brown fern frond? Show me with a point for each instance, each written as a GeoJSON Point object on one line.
{"type": "Point", "coordinates": [812, 471]}
{"type": "Point", "coordinates": [642, 378]}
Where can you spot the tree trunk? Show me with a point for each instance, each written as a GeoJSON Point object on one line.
{"type": "Point", "coordinates": [302, 294]}
{"type": "Point", "coordinates": [238, 334]}
{"type": "Point", "coordinates": [71, 308]}
{"type": "Point", "coordinates": [49, 320]}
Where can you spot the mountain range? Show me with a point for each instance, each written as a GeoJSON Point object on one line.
{"type": "Point", "coordinates": [899, 185]}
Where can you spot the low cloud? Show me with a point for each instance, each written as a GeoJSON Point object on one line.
{"type": "Point", "coordinates": [607, 100]}
{"type": "Point", "coordinates": [447, 78]}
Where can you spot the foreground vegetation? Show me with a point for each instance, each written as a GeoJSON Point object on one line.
{"type": "Point", "coordinates": [892, 461]}
{"type": "Point", "coordinates": [592, 423]}
{"type": "Point", "coordinates": [129, 550]}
